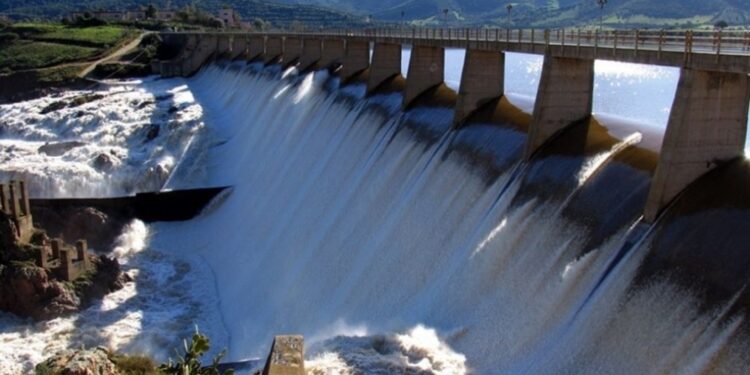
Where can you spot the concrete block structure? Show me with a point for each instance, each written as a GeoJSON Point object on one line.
{"type": "Point", "coordinates": [332, 53]}
{"type": "Point", "coordinates": [14, 202]}
{"type": "Point", "coordinates": [707, 127]}
{"type": "Point", "coordinates": [274, 50]}
{"type": "Point", "coordinates": [287, 356]}
{"type": "Point", "coordinates": [386, 64]}
{"type": "Point", "coordinates": [292, 50]}
{"type": "Point", "coordinates": [426, 70]}
{"type": "Point", "coordinates": [256, 48]}
{"type": "Point", "coordinates": [356, 59]}
{"type": "Point", "coordinates": [239, 46]}
{"type": "Point", "coordinates": [482, 80]}
{"type": "Point", "coordinates": [565, 96]}
{"type": "Point", "coordinates": [311, 53]}
{"type": "Point", "coordinates": [72, 261]}
{"type": "Point", "coordinates": [223, 45]}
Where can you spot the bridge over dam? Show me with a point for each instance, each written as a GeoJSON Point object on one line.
{"type": "Point", "coordinates": [707, 126]}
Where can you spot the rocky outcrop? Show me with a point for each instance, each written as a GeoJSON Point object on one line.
{"type": "Point", "coordinates": [79, 362]}
{"type": "Point", "coordinates": [98, 227]}
{"type": "Point", "coordinates": [27, 290]}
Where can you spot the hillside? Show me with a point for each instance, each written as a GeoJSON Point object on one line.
{"type": "Point", "coordinates": [277, 13]}
{"type": "Point", "coordinates": [545, 13]}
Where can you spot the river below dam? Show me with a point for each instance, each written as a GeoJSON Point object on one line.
{"type": "Point", "coordinates": [392, 242]}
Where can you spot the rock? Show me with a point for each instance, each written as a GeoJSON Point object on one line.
{"type": "Point", "coordinates": [79, 362]}
{"type": "Point", "coordinates": [54, 106]}
{"type": "Point", "coordinates": [103, 163]}
{"type": "Point", "coordinates": [59, 148]}
{"type": "Point", "coordinates": [95, 226]}
{"type": "Point", "coordinates": [173, 109]}
{"type": "Point", "coordinates": [80, 114]}
{"type": "Point", "coordinates": [153, 132]}
{"type": "Point", "coordinates": [27, 290]}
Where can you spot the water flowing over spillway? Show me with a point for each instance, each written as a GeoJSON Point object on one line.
{"type": "Point", "coordinates": [397, 245]}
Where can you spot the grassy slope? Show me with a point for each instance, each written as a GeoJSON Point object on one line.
{"type": "Point", "coordinates": [44, 45]}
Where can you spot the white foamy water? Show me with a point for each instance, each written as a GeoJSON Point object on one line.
{"type": "Point", "coordinates": [390, 255]}
{"type": "Point", "coordinates": [114, 128]}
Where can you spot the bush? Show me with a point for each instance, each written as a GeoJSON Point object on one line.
{"type": "Point", "coordinates": [134, 365]}
{"type": "Point", "coordinates": [189, 363]}
{"type": "Point", "coordinates": [7, 38]}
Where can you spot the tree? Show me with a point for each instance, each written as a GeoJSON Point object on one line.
{"type": "Point", "coordinates": [150, 11]}
{"type": "Point", "coordinates": [721, 24]}
{"type": "Point", "coordinates": [601, 4]}
{"type": "Point", "coordinates": [445, 14]}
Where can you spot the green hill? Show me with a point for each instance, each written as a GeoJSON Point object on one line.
{"type": "Point", "coordinates": [278, 14]}
{"type": "Point", "coordinates": [550, 13]}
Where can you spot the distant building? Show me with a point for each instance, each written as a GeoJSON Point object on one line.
{"type": "Point", "coordinates": [128, 15]}
{"type": "Point", "coordinates": [229, 18]}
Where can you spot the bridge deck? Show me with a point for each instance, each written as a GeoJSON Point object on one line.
{"type": "Point", "coordinates": [705, 50]}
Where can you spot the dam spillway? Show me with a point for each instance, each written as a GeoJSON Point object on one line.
{"type": "Point", "coordinates": [398, 243]}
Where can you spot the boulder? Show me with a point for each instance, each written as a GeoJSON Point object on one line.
{"type": "Point", "coordinates": [79, 362]}
{"type": "Point", "coordinates": [59, 148]}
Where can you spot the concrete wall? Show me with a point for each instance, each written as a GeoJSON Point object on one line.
{"type": "Point", "coordinates": [356, 60]}
{"type": "Point", "coordinates": [332, 53]}
{"type": "Point", "coordinates": [426, 70]}
{"type": "Point", "coordinates": [707, 127]}
{"type": "Point", "coordinates": [311, 53]}
{"type": "Point", "coordinates": [239, 46]}
{"type": "Point", "coordinates": [483, 79]}
{"type": "Point", "coordinates": [223, 45]}
{"type": "Point", "coordinates": [565, 96]}
{"type": "Point", "coordinates": [292, 49]}
{"type": "Point", "coordinates": [274, 50]}
{"type": "Point", "coordinates": [386, 63]}
{"type": "Point", "coordinates": [256, 47]}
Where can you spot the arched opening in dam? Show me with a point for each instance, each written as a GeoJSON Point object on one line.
{"type": "Point", "coordinates": [394, 241]}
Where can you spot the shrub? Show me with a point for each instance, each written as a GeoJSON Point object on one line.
{"type": "Point", "coordinates": [189, 363]}
{"type": "Point", "coordinates": [134, 365]}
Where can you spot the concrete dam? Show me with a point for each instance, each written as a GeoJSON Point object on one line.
{"type": "Point", "coordinates": [406, 219]}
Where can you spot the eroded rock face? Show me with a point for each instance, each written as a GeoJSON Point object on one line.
{"type": "Point", "coordinates": [28, 291]}
{"type": "Point", "coordinates": [59, 148]}
{"type": "Point", "coordinates": [100, 229]}
{"type": "Point", "coordinates": [80, 362]}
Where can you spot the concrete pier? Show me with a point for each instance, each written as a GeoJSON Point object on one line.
{"type": "Point", "coordinates": [357, 59]}
{"type": "Point", "coordinates": [386, 64]}
{"type": "Point", "coordinates": [426, 70]}
{"type": "Point", "coordinates": [332, 53]}
{"type": "Point", "coordinates": [707, 127]}
{"type": "Point", "coordinates": [274, 50]}
{"type": "Point", "coordinates": [565, 96]}
{"type": "Point", "coordinates": [287, 356]}
{"type": "Point", "coordinates": [483, 80]}
{"type": "Point", "coordinates": [292, 50]}
{"type": "Point", "coordinates": [239, 46]}
{"type": "Point", "coordinates": [223, 45]}
{"type": "Point", "coordinates": [256, 48]}
{"type": "Point", "coordinates": [311, 54]}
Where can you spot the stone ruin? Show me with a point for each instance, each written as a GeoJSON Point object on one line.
{"type": "Point", "coordinates": [14, 202]}
{"type": "Point", "coordinates": [67, 262]}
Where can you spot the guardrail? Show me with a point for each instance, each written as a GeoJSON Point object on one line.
{"type": "Point", "coordinates": [688, 41]}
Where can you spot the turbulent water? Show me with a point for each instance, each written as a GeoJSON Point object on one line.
{"type": "Point", "coordinates": [393, 244]}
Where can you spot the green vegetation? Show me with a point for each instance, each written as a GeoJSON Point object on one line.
{"type": "Point", "coordinates": [100, 36]}
{"type": "Point", "coordinates": [32, 55]}
{"type": "Point", "coordinates": [189, 363]}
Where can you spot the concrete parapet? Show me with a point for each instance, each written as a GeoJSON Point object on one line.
{"type": "Point", "coordinates": [292, 50]}
{"type": "Point", "coordinates": [256, 47]}
{"type": "Point", "coordinates": [82, 249]}
{"type": "Point", "coordinates": [274, 50]}
{"type": "Point", "coordinates": [483, 79]}
{"type": "Point", "coordinates": [332, 52]}
{"type": "Point", "coordinates": [565, 96]}
{"type": "Point", "coordinates": [311, 53]}
{"type": "Point", "coordinates": [356, 59]}
{"type": "Point", "coordinates": [239, 46]}
{"type": "Point", "coordinates": [386, 64]}
{"type": "Point", "coordinates": [56, 245]}
{"type": "Point", "coordinates": [14, 201]}
{"type": "Point", "coordinates": [426, 70]}
{"type": "Point", "coordinates": [707, 127]}
{"type": "Point", "coordinates": [287, 356]}
{"type": "Point", "coordinates": [206, 47]}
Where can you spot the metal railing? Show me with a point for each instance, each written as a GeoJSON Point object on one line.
{"type": "Point", "coordinates": [687, 41]}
